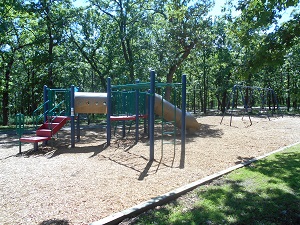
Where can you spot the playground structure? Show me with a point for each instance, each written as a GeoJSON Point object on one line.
{"type": "Point", "coordinates": [249, 95]}
{"type": "Point", "coordinates": [120, 103]}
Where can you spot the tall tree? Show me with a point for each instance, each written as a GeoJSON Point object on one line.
{"type": "Point", "coordinates": [180, 30]}
{"type": "Point", "coordinates": [53, 18]}
{"type": "Point", "coordinates": [126, 18]}
{"type": "Point", "coordinates": [226, 57]}
{"type": "Point", "coordinates": [254, 23]}
{"type": "Point", "coordinates": [12, 40]}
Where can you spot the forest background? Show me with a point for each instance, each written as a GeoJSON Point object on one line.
{"type": "Point", "coordinates": [58, 43]}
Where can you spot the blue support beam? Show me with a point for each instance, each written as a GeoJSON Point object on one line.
{"type": "Point", "coordinates": [151, 114]}
{"type": "Point", "coordinates": [108, 109]}
{"type": "Point", "coordinates": [72, 105]}
{"type": "Point", "coordinates": [137, 96]}
{"type": "Point", "coordinates": [183, 122]}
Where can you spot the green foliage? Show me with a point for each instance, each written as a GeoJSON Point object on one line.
{"type": "Point", "coordinates": [53, 43]}
{"type": "Point", "coordinates": [253, 26]}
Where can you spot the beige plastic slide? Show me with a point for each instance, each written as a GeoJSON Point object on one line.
{"type": "Point", "coordinates": [90, 102]}
{"type": "Point", "coordinates": [192, 125]}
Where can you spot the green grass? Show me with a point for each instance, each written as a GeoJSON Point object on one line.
{"type": "Point", "coordinates": [266, 192]}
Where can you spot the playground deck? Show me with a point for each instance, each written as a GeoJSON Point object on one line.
{"type": "Point", "coordinates": [90, 182]}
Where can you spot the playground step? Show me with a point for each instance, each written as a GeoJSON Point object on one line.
{"type": "Point", "coordinates": [34, 139]}
{"type": "Point", "coordinates": [59, 119]}
{"type": "Point", "coordinates": [50, 128]}
{"type": "Point", "coordinates": [50, 125]}
{"type": "Point", "coordinates": [44, 132]}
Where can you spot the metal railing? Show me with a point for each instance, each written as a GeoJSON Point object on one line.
{"type": "Point", "coordinates": [38, 114]}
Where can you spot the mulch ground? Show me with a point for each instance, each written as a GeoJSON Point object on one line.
{"type": "Point", "coordinates": [91, 181]}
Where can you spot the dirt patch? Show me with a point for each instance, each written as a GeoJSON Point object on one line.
{"type": "Point", "coordinates": [92, 181]}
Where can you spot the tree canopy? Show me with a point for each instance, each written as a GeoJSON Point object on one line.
{"type": "Point", "coordinates": [54, 43]}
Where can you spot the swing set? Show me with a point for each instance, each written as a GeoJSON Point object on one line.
{"type": "Point", "coordinates": [249, 95]}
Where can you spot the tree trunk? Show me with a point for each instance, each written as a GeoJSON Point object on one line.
{"type": "Point", "coordinates": [126, 47]}
{"type": "Point", "coordinates": [205, 88]}
{"type": "Point", "coordinates": [223, 104]}
{"type": "Point", "coordinates": [50, 50]}
{"type": "Point", "coordinates": [201, 100]}
{"type": "Point", "coordinates": [170, 76]}
{"type": "Point", "coordinates": [128, 56]}
{"type": "Point", "coordinates": [5, 97]}
{"type": "Point", "coordinates": [175, 66]}
{"type": "Point", "coordinates": [130, 61]}
{"type": "Point", "coordinates": [92, 63]}
{"type": "Point", "coordinates": [288, 100]}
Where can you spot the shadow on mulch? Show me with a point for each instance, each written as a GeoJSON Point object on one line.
{"type": "Point", "coordinates": [54, 222]}
{"type": "Point", "coordinates": [53, 151]}
{"type": "Point", "coordinates": [243, 160]}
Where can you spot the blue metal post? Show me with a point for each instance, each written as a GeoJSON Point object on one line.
{"type": "Point", "coordinates": [72, 104]}
{"type": "Point", "coordinates": [124, 111]}
{"type": "Point", "coordinates": [145, 112]}
{"type": "Point", "coordinates": [148, 113]}
{"type": "Point", "coordinates": [137, 96]}
{"type": "Point", "coordinates": [183, 124]}
{"type": "Point", "coordinates": [78, 117]}
{"type": "Point", "coordinates": [151, 114]}
{"type": "Point", "coordinates": [108, 112]}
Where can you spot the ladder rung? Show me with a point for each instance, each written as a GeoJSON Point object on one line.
{"type": "Point", "coordinates": [169, 132]}
{"type": "Point", "coordinates": [168, 142]}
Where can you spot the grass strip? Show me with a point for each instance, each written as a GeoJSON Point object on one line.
{"type": "Point", "coordinates": [265, 192]}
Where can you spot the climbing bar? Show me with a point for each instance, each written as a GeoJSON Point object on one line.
{"type": "Point", "coordinates": [132, 86]}
{"type": "Point", "coordinates": [144, 85]}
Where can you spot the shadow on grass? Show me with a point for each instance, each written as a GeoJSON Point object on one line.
{"type": "Point", "coordinates": [266, 192]}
